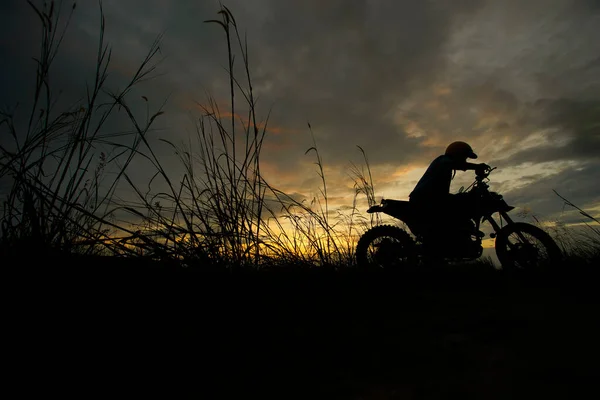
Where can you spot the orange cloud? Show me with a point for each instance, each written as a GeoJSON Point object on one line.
{"type": "Point", "coordinates": [217, 107]}
{"type": "Point", "coordinates": [442, 90]}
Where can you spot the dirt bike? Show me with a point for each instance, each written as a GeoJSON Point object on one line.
{"type": "Point", "coordinates": [518, 244]}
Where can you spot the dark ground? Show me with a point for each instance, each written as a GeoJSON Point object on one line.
{"type": "Point", "coordinates": [85, 328]}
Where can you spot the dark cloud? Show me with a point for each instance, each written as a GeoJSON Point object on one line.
{"type": "Point", "coordinates": [578, 185]}
{"type": "Point", "coordinates": [344, 66]}
{"type": "Point", "coordinates": [576, 122]}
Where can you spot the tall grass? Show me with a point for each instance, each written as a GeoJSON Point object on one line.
{"type": "Point", "coordinates": [222, 210]}
{"type": "Point", "coordinates": [582, 244]}
{"type": "Point", "coordinates": [59, 197]}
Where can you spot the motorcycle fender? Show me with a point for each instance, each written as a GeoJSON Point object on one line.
{"type": "Point", "coordinates": [504, 207]}
{"type": "Point", "coordinates": [374, 209]}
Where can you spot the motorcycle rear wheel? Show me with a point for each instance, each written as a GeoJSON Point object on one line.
{"type": "Point", "coordinates": [386, 246]}
{"type": "Point", "coordinates": [527, 247]}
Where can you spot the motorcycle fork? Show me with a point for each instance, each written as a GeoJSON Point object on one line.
{"type": "Point", "coordinates": [509, 221]}
{"type": "Point", "coordinates": [495, 225]}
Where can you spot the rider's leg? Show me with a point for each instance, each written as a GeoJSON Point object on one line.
{"type": "Point", "coordinates": [460, 224]}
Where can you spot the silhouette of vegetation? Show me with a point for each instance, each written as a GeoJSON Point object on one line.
{"type": "Point", "coordinates": [51, 158]}
{"type": "Point", "coordinates": [582, 244]}
{"type": "Point", "coordinates": [221, 211]}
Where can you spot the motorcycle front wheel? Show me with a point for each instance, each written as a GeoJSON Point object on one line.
{"type": "Point", "coordinates": [385, 246]}
{"type": "Point", "coordinates": [524, 246]}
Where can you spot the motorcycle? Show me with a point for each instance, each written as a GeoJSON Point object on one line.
{"type": "Point", "coordinates": [518, 245]}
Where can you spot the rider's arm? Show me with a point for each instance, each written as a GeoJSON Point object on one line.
{"type": "Point", "coordinates": [471, 166]}
{"type": "Point", "coordinates": [467, 166]}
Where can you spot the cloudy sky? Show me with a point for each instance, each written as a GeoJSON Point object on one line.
{"type": "Point", "coordinates": [519, 81]}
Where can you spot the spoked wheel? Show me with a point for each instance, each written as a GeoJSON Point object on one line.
{"type": "Point", "coordinates": [385, 246]}
{"type": "Point", "coordinates": [524, 246]}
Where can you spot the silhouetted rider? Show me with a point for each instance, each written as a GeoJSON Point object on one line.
{"type": "Point", "coordinates": [432, 194]}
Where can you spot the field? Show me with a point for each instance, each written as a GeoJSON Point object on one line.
{"type": "Point", "coordinates": [83, 328]}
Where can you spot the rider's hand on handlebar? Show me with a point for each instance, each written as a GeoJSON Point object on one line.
{"type": "Point", "coordinates": [482, 169]}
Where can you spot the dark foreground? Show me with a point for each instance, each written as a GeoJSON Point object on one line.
{"type": "Point", "coordinates": [84, 329]}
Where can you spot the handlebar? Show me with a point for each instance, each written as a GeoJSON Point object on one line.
{"type": "Point", "coordinates": [482, 174]}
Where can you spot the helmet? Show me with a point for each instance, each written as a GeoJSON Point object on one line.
{"type": "Point", "coordinates": [460, 149]}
